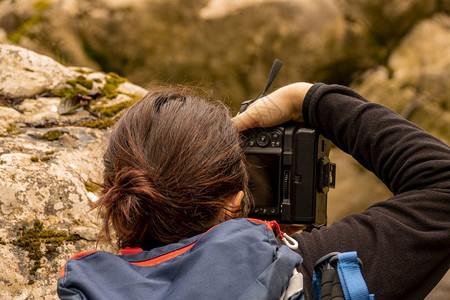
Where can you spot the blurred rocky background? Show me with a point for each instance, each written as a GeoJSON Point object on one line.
{"type": "Point", "coordinates": [58, 100]}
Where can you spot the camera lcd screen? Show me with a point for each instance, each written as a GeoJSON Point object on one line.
{"type": "Point", "coordinates": [263, 183]}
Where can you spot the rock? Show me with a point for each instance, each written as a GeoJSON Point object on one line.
{"type": "Point", "coordinates": [421, 54]}
{"type": "Point", "coordinates": [176, 40]}
{"type": "Point", "coordinates": [24, 74]}
{"type": "Point", "coordinates": [66, 140]}
{"type": "Point", "coordinates": [222, 8]}
{"type": "Point", "coordinates": [48, 27]}
{"type": "Point", "coordinates": [48, 162]}
{"type": "Point", "coordinates": [416, 83]}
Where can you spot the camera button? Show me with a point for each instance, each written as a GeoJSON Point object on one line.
{"type": "Point", "coordinates": [251, 143]}
{"type": "Point", "coordinates": [272, 211]}
{"type": "Point", "coordinates": [277, 144]}
{"type": "Point", "coordinates": [263, 139]}
{"type": "Point", "coordinates": [275, 135]}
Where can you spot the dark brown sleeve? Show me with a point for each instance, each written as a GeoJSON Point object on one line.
{"type": "Point", "coordinates": [404, 242]}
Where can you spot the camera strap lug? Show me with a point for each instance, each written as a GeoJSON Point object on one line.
{"type": "Point", "coordinates": [327, 174]}
{"type": "Point", "coordinates": [285, 238]}
{"type": "Point", "coordinates": [289, 241]}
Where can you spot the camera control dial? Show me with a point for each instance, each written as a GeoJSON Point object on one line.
{"type": "Point", "coordinates": [263, 139]}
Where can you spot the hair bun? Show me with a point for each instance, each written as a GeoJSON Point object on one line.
{"type": "Point", "coordinates": [172, 163]}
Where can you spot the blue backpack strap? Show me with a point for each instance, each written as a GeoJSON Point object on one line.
{"type": "Point", "coordinates": [321, 265]}
{"type": "Point", "coordinates": [352, 281]}
{"type": "Point", "coordinates": [316, 284]}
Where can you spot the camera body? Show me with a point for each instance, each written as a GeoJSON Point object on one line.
{"type": "Point", "coordinates": [289, 173]}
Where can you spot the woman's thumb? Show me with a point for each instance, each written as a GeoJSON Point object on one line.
{"type": "Point", "coordinates": [244, 121]}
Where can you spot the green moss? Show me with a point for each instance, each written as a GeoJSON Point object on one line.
{"type": "Point", "coordinates": [12, 129]}
{"type": "Point", "coordinates": [69, 93]}
{"type": "Point", "coordinates": [99, 124]}
{"type": "Point", "coordinates": [51, 135]}
{"type": "Point", "coordinates": [81, 71]}
{"type": "Point", "coordinates": [31, 241]}
{"type": "Point", "coordinates": [116, 77]}
{"type": "Point", "coordinates": [51, 251]}
{"type": "Point", "coordinates": [42, 159]}
{"type": "Point", "coordinates": [41, 5]}
{"type": "Point", "coordinates": [60, 58]}
{"type": "Point", "coordinates": [113, 81]}
{"type": "Point", "coordinates": [17, 34]}
{"type": "Point", "coordinates": [71, 99]}
{"type": "Point", "coordinates": [109, 91]}
{"type": "Point", "coordinates": [2, 242]}
{"type": "Point", "coordinates": [91, 186]}
{"type": "Point", "coordinates": [45, 158]}
{"type": "Point", "coordinates": [113, 110]}
{"type": "Point", "coordinates": [81, 80]}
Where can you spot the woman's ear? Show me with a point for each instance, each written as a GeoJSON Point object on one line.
{"type": "Point", "coordinates": [233, 206]}
{"type": "Point", "coordinates": [236, 202]}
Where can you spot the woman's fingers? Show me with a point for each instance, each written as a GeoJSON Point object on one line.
{"type": "Point", "coordinates": [265, 112]}
{"type": "Point", "coordinates": [283, 105]}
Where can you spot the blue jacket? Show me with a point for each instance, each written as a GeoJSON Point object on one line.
{"type": "Point", "coordinates": [238, 259]}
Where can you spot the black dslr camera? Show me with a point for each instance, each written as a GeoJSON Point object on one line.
{"type": "Point", "coordinates": [289, 170]}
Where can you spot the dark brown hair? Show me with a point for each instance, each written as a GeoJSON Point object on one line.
{"type": "Point", "coordinates": [172, 161]}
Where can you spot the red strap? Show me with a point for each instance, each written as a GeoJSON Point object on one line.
{"type": "Point", "coordinates": [275, 225]}
{"type": "Point", "coordinates": [258, 221]}
{"type": "Point", "coordinates": [271, 225]}
{"type": "Point", "coordinates": [163, 258]}
{"type": "Point", "coordinates": [130, 250]}
{"type": "Point", "coordinates": [79, 255]}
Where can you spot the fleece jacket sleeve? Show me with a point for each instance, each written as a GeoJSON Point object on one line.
{"type": "Point", "coordinates": [404, 242]}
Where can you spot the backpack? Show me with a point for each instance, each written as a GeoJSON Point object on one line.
{"type": "Point", "coordinates": [338, 276]}
{"type": "Point", "coordinates": [237, 259]}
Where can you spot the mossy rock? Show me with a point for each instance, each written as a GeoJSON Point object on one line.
{"type": "Point", "coordinates": [91, 186]}
{"type": "Point", "coordinates": [12, 129]}
{"type": "Point", "coordinates": [51, 135]}
{"type": "Point", "coordinates": [113, 81]}
{"type": "Point", "coordinates": [71, 99]}
{"type": "Point", "coordinates": [102, 123]}
{"type": "Point", "coordinates": [31, 241]}
{"type": "Point", "coordinates": [81, 80]}
{"type": "Point", "coordinates": [80, 94]}
{"type": "Point", "coordinates": [111, 111]}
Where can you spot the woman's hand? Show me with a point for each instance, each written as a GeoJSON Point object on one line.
{"type": "Point", "coordinates": [285, 104]}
